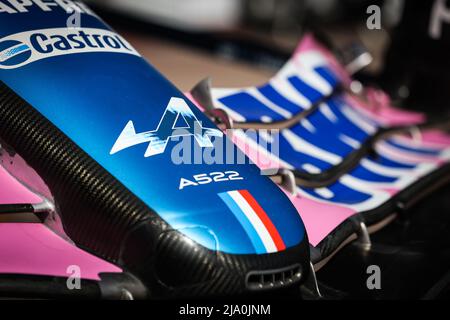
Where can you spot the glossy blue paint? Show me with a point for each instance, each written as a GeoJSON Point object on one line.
{"type": "Point", "coordinates": [91, 96]}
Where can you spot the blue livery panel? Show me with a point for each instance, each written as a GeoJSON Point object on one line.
{"type": "Point", "coordinates": [97, 89]}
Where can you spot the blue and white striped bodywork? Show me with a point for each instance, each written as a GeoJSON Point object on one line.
{"type": "Point", "coordinates": [329, 134]}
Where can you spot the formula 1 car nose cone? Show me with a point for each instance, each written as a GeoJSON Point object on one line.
{"type": "Point", "coordinates": [134, 168]}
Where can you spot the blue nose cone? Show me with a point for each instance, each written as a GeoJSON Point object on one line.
{"type": "Point", "coordinates": [149, 136]}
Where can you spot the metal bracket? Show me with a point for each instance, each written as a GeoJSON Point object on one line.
{"type": "Point", "coordinates": [311, 284]}
{"type": "Point", "coordinates": [363, 236]}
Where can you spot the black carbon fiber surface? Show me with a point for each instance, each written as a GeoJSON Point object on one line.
{"type": "Point", "coordinates": [202, 272]}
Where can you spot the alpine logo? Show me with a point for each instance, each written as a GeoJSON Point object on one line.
{"type": "Point", "coordinates": [20, 49]}
{"type": "Point", "coordinates": [13, 53]}
{"type": "Point", "coordinates": [167, 129]}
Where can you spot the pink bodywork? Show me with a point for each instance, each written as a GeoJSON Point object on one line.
{"type": "Point", "coordinates": [13, 192]}
{"type": "Point", "coordinates": [34, 249]}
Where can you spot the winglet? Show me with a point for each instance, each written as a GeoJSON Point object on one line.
{"type": "Point", "coordinates": [202, 94]}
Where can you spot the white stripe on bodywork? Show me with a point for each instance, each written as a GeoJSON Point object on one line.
{"type": "Point", "coordinates": [285, 88]}
{"type": "Point", "coordinates": [328, 113]}
{"type": "Point", "coordinates": [301, 145]}
{"type": "Point", "coordinates": [355, 144]}
{"type": "Point", "coordinates": [269, 104]}
{"type": "Point", "coordinates": [307, 75]}
{"type": "Point", "coordinates": [256, 222]}
{"type": "Point", "coordinates": [358, 120]}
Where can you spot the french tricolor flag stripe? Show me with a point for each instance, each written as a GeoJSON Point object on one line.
{"type": "Point", "coordinates": [255, 221]}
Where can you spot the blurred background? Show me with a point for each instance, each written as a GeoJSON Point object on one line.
{"type": "Point", "coordinates": [240, 42]}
